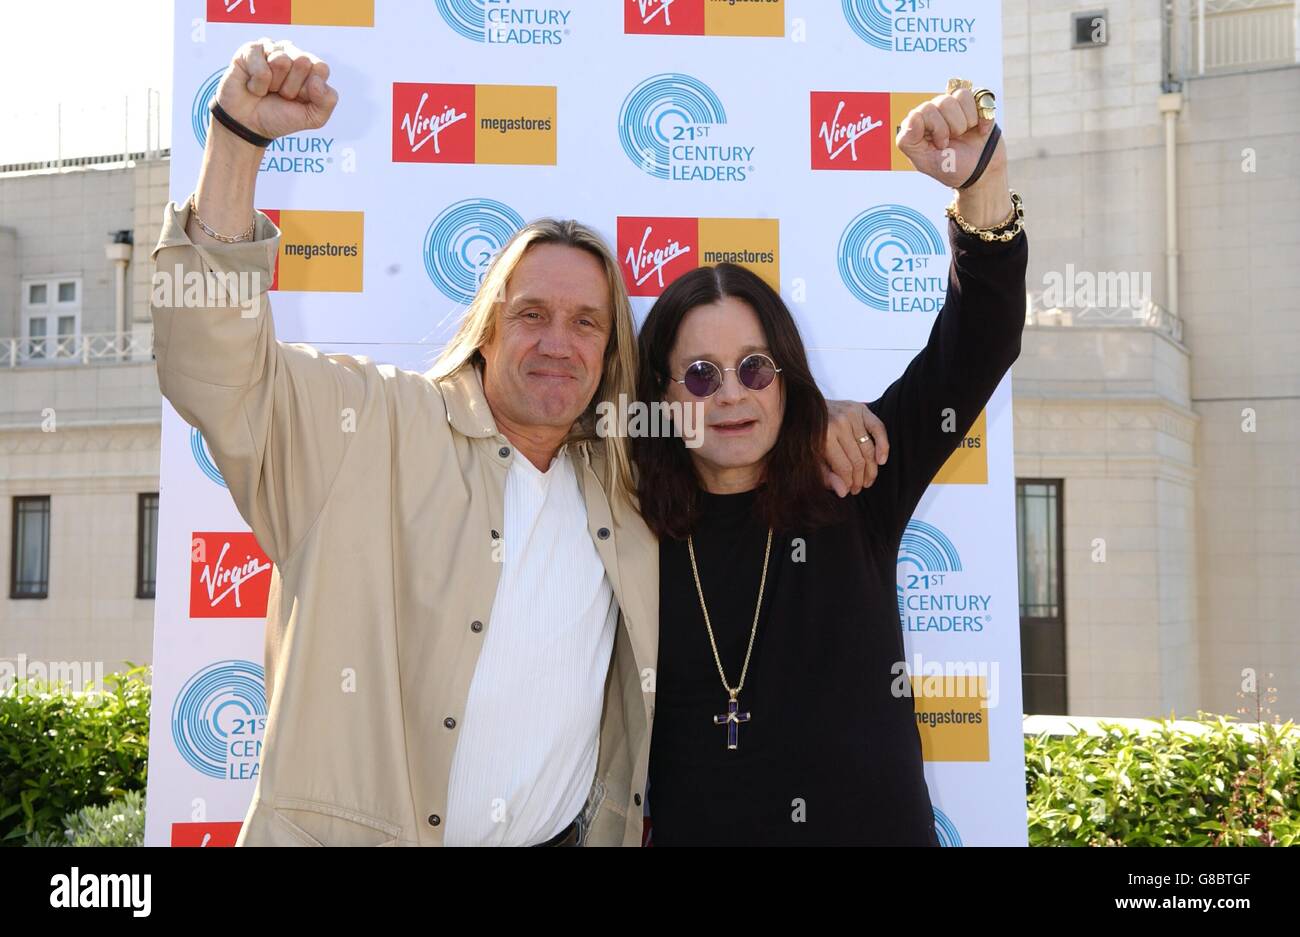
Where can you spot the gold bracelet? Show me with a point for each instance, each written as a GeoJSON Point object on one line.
{"type": "Point", "coordinates": [226, 238]}
{"type": "Point", "coordinates": [988, 234]}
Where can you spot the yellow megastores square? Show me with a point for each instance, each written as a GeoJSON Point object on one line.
{"type": "Point", "coordinates": [952, 717]}
{"type": "Point", "coordinates": [321, 250]}
{"type": "Point", "coordinates": [333, 12]}
{"type": "Point", "coordinates": [756, 240]}
{"type": "Point", "coordinates": [900, 105]}
{"type": "Point", "coordinates": [969, 463]}
{"type": "Point", "coordinates": [726, 18]}
{"type": "Point", "coordinates": [514, 124]}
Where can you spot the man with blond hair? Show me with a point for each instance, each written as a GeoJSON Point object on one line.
{"type": "Point", "coordinates": [462, 625]}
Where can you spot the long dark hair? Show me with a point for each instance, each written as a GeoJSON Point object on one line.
{"type": "Point", "coordinates": [792, 493]}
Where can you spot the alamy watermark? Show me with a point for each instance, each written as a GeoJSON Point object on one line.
{"type": "Point", "coordinates": [947, 679]}
{"type": "Point", "coordinates": [207, 289]}
{"type": "Point", "coordinates": [638, 419]}
{"type": "Point", "coordinates": [78, 889]}
{"type": "Point", "coordinates": [1108, 289]}
{"type": "Point", "coordinates": [57, 677]}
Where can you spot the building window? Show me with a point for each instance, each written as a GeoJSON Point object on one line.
{"type": "Point", "coordinates": [29, 571]}
{"type": "Point", "coordinates": [1039, 551]}
{"type": "Point", "coordinates": [51, 318]}
{"type": "Point", "coordinates": [146, 566]}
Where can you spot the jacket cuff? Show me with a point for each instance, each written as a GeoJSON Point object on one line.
{"type": "Point", "coordinates": [255, 255]}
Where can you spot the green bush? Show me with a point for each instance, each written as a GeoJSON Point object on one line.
{"type": "Point", "coordinates": [60, 752]}
{"type": "Point", "coordinates": [121, 823]}
{"type": "Point", "coordinates": [72, 772]}
{"type": "Point", "coordinates": [1170, 787]}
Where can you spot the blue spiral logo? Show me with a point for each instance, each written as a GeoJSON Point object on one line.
{"type": "Point", "coordinates": [461, 242]}
{"type": "Point", "coordinates": [199, 113]}
{"type": "Point", "coordinates": [927, 549]}
{"type": "Point", "coordinates": [221, 703]}
{"type": "Point", "coordinates": [466, 17]}
{"type": "Point", "coordinates": [871, 20]}
{"type": "Point", "coordinates": [945, 829]}
{"type": "Point", "coordinates": [655, 112]}
{"type": "Point", "coordinates": [203, 456]}
{"type": "Point", "coordinates": [872, 239]}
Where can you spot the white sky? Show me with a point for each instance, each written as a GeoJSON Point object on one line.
{"type": "Point", "coordinates": [88, 56]}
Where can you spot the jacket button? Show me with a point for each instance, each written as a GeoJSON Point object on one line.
{"type": "Point", "coordinates": [603, 533]}
{"type": "Point", "coordinates": [504, 451]}
{"type": "Point", "coordinates": [449, 722]}
{"type": "Point", "coordinates": [495, 535]}
{"type": "Point", "coordinates": [434, 819]}
{"type": "Point", "coordinates": [636, 799]}
{"type": "Point", "coordinates": [476, 626]}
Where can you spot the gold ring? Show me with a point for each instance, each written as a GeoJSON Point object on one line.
{"type": "Point", "coordinates": [986, 101]}
{"type": "Point", "coordinates": [955, 83]}
{"type": "Point", "coordinates": [864, 438]}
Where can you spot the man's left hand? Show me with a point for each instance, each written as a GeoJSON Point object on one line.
{"type": "Point", "coordinates": [851, 465]}
{"type": "Point", "coordinates": [944, 139]}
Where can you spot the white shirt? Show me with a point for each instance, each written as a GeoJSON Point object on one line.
{"type": "Point", "coordinates": [526, 756]}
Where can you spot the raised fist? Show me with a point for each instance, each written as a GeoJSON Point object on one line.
{"type": "Point", "coordinates": [275, 88]}
{"type": "Point", "coordinates": [945, 136]}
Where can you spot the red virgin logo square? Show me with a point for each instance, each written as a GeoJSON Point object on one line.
{"type": "Point", "coordinates": [850, 130]}
{"type": "Point", "coordinates": [230, 576]}
{"type": "Point", "coordinates": [433, 123]}
{"type": "Point", "coordinates": [653, 252]}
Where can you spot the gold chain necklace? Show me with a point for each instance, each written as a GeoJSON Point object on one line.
{"type": "Point", "coordinates": [732, 718]}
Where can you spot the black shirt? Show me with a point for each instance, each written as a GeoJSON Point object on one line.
{"type": "Point", "coordinates": [830, 755]}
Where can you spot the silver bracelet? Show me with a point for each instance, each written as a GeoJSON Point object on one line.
{"type": "Point", "coordinates": [226, 238]}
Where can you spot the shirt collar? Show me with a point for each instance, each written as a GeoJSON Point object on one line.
{"type": "Point", "coordinates": [522, 464]}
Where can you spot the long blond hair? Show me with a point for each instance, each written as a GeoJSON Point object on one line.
{"type": "Point", "coordinates": [618, 375]}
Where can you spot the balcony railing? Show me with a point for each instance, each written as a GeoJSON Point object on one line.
{"type": "Point", "coordinates": [84, 349]}
{"type": "Point", "coordinates": [1143, 315]}
{"type": "Point", "coordinates": [1216, 37]}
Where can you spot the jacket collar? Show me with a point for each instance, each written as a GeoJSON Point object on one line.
{"type": "Point", "coordinates": [467, 406]}
{"type": "Point", "coordinates": [468, 410]}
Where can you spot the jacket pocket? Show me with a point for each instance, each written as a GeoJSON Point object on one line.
{"type": "Point", "coordinates": [314, 823]}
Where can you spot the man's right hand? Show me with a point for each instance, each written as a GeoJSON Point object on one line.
{"type": "Point", "coordinates": [275, 89]}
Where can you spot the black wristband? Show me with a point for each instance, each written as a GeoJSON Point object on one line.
{"type": "Point", "coordinates": [236, 127]}
{"type": "Point", "coordinates": [985, 156]}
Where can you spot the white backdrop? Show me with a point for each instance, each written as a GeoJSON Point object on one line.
{"type": "Point", "coordinates": [600, 110]}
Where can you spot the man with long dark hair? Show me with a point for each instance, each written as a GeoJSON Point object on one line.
{"type": "Point", "coordinates": [782, 715]}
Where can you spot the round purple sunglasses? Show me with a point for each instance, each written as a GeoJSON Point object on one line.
{"type": "Point", "coordinates": [704, 378]}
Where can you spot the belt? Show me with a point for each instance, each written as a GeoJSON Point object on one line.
{"type": "Point", "coordinates": [571, 835]}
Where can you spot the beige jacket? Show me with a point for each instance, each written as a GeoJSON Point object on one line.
{"type": "Point", "coordinates": [382, 540]}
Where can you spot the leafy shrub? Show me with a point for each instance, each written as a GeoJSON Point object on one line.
{"type": "Point", "coordinates": [61, 752]}
{"type": "Point", "coordinates": [1170, 787]}
{"type": "Point", "coordinates": [120, 823]}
